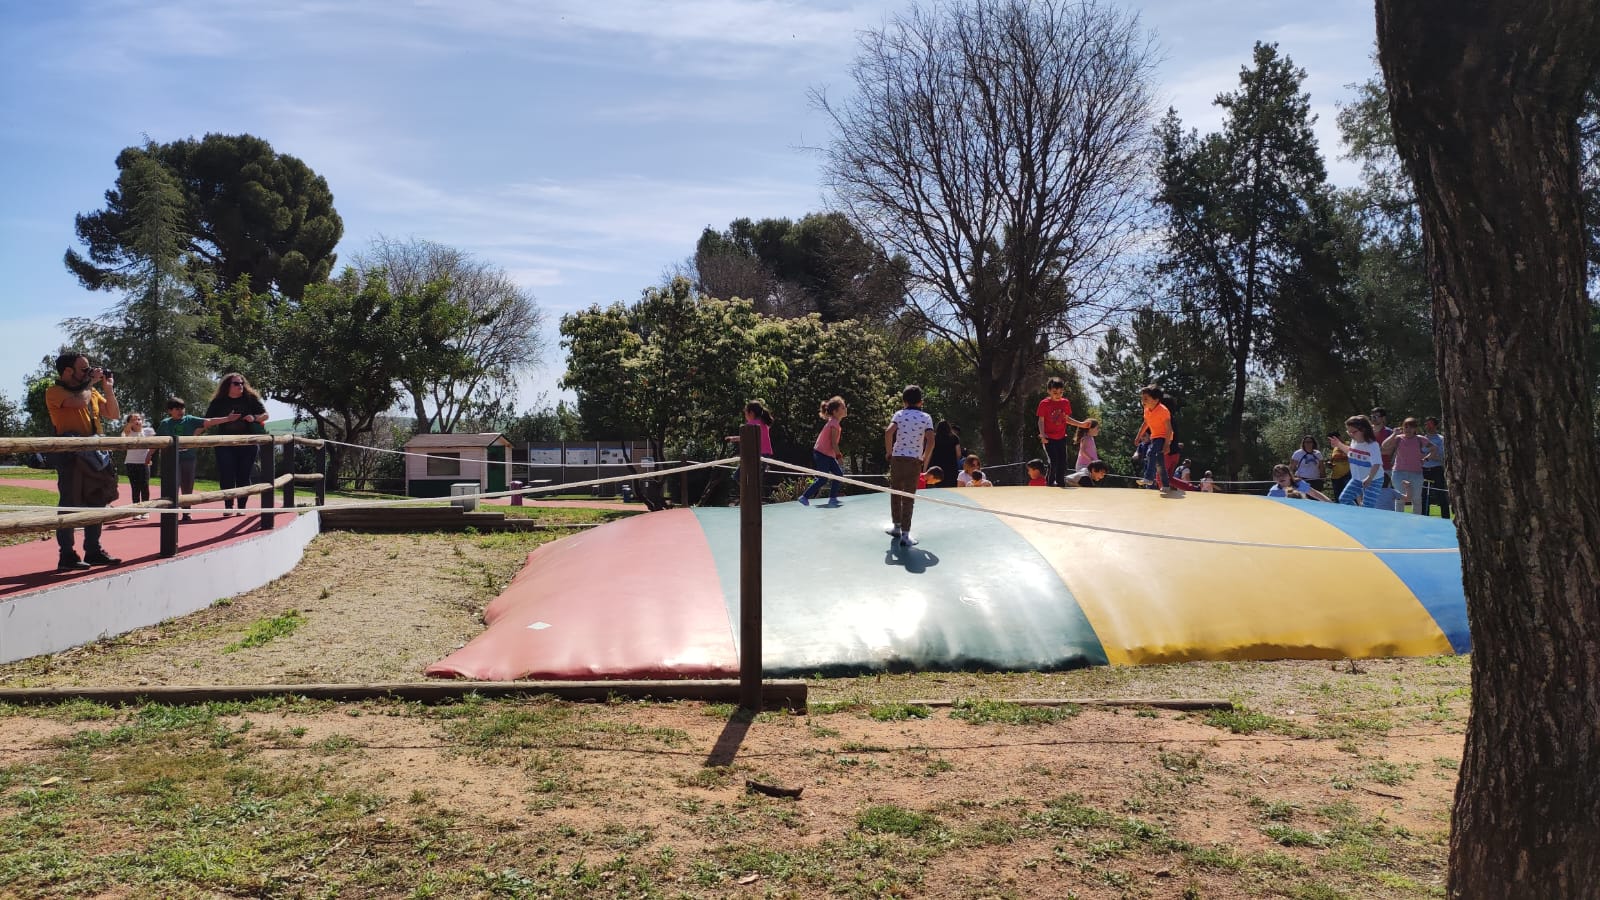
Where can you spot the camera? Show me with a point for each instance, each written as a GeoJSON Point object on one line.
{"type": "Point", "coordinates": [107, 375]}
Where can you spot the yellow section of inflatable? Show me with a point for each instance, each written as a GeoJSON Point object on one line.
{"type": "Point", "coordinates": [1152, 600]}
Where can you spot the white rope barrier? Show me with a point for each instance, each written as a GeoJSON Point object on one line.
{"type": "Point", "coordinates": [1106, 529]}
{"type": "Point", "coordinates": [384, 504]}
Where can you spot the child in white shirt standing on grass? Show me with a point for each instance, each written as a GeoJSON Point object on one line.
{"type": "Point", "coordinates": [908, 442]}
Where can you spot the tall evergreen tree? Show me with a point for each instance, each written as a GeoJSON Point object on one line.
{"type": "Point", "coordinates": [249, 213]}
{"type": "Point", "coordinates": [1252, 247]}
{"type": "Point", "coordinates": [148, 336]}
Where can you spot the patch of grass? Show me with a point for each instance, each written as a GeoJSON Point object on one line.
{"type": "Point", "coordinates": [898, 712]}
{"type": "Point", "coordinates": [708, 777]}
{"type": "Point", "coordinates": [1224, 859]}
{"type": "Point", "coordinates": [1004, 712]}
{"type": "Point", "coordinates": [1385, 772]}
{"type": "Point", "coordinates": [263, 631]}
{"type": "Point", "coordinates": [1069, 813]}
{"type": "Point", "coordinates": [887, 818]}
{"type": "Point", "coordinates": [1243, 720]}
{"type": "Point", "coordinates": [1290, 836]}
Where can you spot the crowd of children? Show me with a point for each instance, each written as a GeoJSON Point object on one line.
{"type": "Point", "coordinates": [1377, 466]}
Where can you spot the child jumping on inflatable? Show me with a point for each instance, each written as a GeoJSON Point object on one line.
{"type": "Point", "coordinates": [908, 442]}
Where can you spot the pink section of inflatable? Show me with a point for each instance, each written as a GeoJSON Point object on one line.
{"type": "Point", "coordinates": [659, 601]}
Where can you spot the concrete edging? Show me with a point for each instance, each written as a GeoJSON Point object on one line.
{"type": "Point", "coordinates": [87, 610]}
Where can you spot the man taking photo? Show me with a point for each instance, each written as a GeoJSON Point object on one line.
{"type": "Point", "coordinates": [77, 409]}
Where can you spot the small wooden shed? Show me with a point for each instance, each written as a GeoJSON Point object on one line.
{"type": "Point", "coordinates": [455, 459]}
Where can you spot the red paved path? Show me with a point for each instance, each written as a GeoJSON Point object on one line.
{"type": "Point", "coordinates": [31, 566]}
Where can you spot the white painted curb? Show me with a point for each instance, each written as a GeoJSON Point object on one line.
{"type": "Point", "coordinates": [91, 609]}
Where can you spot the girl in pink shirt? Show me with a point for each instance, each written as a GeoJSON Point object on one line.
{"type": "Point", "coordinates": [825, 454]}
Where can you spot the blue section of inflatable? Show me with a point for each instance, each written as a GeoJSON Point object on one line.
{"type": "Point", "coordinates": [1434, 578]}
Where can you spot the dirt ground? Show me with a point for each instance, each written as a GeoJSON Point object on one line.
{"type": "Point", "coordinates": [1328, 780]}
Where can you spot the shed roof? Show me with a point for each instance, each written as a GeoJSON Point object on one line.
{"type": "Point", "coordinates": [481, 439]}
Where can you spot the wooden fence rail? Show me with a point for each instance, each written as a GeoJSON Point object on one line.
{"type": "Point", "coordinates": [50, 521]}
{"type": "Point", "coordinates": [191, 442]}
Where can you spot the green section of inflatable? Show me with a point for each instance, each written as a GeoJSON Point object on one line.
{"type": "Point", "coordinates": [840, 596]}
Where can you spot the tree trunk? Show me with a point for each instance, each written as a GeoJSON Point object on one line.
{"type": "Point", "coordinates": [1484, 99]}
{"type": "Point", "coordinates": [989, 412]}
{"type": "Point", "coordinates": [1235, 428]}
{"type": "Point", "coordinates": [424, 421]}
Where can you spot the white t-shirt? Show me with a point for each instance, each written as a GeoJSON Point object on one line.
{"type": "Point", "coordinates": [1307, 463]}
{"type": "Point", "coordinates": [140, 457]}
{"type": "Point", "coordinates": [1300, 485]}
{"type": "Point", "coordinates": [910, 425]}
{"type": "Point", "coordinates": [1363, 456]}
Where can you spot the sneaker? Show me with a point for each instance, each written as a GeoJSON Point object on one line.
{"type": "Point", "coordinates": [1170, 491]}
{"type": "Point", "coordinates": [185, 518]}
{"type": "Point", "coordinates": [69, 562]}
{"type": "Point", "coordinates": [892, 531]}
{"type": "Point", "coordinates": [99, 557]}
{"type": "Point", "coordinates": [906, 540]}
{"type": "Point", "coordinates": [833, 504]}
{"type": "Point", "coordinates": [805, 501]}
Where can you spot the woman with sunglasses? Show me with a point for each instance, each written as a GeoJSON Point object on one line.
{"type": "Point", "coordinates": [242, 412]}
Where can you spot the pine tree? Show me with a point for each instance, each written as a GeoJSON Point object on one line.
{"type": "Point", "coordinates": [1252, 246]}
{"type": "Point", "coordinates": [147, 338]}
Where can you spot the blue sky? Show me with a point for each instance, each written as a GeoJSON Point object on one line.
{"type": "Point", "coordinates": [581, 146]}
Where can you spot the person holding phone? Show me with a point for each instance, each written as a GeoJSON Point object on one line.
{"type": "Point", "coordinates": [241, 411]}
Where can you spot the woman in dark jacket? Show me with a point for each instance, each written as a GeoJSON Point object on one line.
{"type": "Point", "coordinates": [238, 404]}
{"type": "Point", "coordinates": [947, 451]}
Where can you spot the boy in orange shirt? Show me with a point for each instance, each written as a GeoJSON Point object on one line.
{"type": "Point", "coordinates": [1158, 427]}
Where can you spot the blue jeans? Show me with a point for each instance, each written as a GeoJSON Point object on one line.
{"type": "Point", "coordinates": [824, 463]}
{"type": "Point", "coordinates": [1155, 462]}
{"type": "Point", "coordinates": [1356, 490]}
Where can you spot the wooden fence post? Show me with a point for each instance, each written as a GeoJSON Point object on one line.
{"type": "Point", "coordinates": [683, 484]}
{"type": "Point", "coordinates": [269, 469]}
{"type": "Point", "coordinates": [750, 568]}
{"type": "Point", "coordinates": [289, 466]}
{"type": "Point", "coordinates": [322, 468]}
{"type": "Point", "coordinates": [170, 490]}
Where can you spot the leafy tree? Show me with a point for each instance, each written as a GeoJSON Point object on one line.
{"type": "Point", "coordinates": [148, 337]}
{"type": "Point", "coordinates": [498, 338]}
{"type": "Point", "coordinates": [1485, 113]}
{"type": "Point", "coordinates": [820, 360]}
{"type": "Point", "coordinates": [676, 367]}
{"type": "Point", "coordinates": [821, 264]}
{"type": "Point", "coordinates": [541, 422]}
{"type": "Point", "coordinates": [1187, 361]}
{"type": "Point", "coordinates": [249, 212]}
{"type": "Point", "coordinates": [1251, 243]}
{"type": "Point", "coordinates": [1000, 146]}
{"type": "Point", "coordinates": [13, 421]}
{"type": "Point", "coordinates": [1391, 283]}
{"type": "Point", "coordinates": [336, 350]}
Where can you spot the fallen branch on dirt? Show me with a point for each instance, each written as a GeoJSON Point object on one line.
{"type": "Point", "coordinates": [756, 787]}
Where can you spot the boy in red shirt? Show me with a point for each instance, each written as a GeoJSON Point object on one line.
{"type": "Point", "coordinates": [1158, 426]}
{"type": "Point", "coordinates": [1055, 414]}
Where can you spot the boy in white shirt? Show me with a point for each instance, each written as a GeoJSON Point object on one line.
{"type": "Point", "coordinates": [908, 442]}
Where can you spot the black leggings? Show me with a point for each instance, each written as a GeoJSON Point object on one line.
{"type": "Point", "coordinates": [1056, 449]}
{"type": "Point", "coordinates": [236, 468]}
{"type": "Point", "coordinates": [138, 480]}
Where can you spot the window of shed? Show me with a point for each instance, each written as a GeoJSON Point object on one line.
{"type": "Point", "coordinates": [450, 465]}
